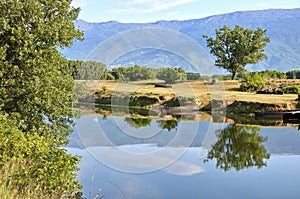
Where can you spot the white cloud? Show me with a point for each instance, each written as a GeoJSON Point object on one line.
{"type": "Point", "coordinates": [148, 6]}
{"type": "Point", "coordinates": [181, 168]}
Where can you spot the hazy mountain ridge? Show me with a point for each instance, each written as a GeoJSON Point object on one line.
{"type": "Point", "coordinates": [282, 25]}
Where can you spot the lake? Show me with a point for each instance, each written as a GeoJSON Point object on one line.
{"type": "Point", "coordinates": [141, 157]}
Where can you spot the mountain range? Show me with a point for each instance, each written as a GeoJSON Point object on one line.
{"type": "Point", "coordinates": [127, 44]}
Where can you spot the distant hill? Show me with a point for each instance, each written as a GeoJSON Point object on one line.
{"type": "Point", "coordinates": [282, 25]}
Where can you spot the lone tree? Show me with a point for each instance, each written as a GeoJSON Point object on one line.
{"type": "Point", "coordinates": [235, 48]}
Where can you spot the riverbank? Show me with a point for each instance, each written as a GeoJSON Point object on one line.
{"type": "Point", "coordinates": [218, 97]}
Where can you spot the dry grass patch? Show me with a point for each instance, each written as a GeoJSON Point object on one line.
{"type": "Point", "coordinates": [202, 91]}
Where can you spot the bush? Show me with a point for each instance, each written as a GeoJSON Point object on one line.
{"type": "Point", "coordinates": [291, 89]}
{"type": "Point", "coordinates": [272, 74]}
{"type": "Point", "coordinates": [252, 82]}
{"type": "Point", "coordinates": [33, 165]}
{"type": "Point", "coordinates": [169, 75]}
{"type": "Point", "coordinates": [193, 76]}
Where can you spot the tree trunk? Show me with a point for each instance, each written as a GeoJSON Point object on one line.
{"type": "Point", "coordinates": [233, 75]}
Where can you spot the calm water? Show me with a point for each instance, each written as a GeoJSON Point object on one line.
{"type": "Point", "coordinates": [144, 158]}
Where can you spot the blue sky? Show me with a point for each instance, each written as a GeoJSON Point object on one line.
{"type": "Point", "coordinates": [154, 10]}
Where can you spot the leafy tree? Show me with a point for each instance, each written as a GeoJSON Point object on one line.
{"type": "Point", "coordinates": [32, 85]}
{"type": "Point", "coordinates": [193, 76]}
{"type": "Point", "coordinates": [239, 147]}
{"type": "Point", "coordinates": [106, 75]}
{"type": "Point", "coordinates": [294, 74]}
{"type": "Point", "coordinates": [35, 91]}
{"type": "Point", "coordinates": [235, 48]}
{"type": "Point", "coordinates": [169, 75]}
{"type": "Point", "coordinates": [87, 70]}
{"type": "Point", "coordinates": [136, 73]}
{"type": "Point", "coordinates": [72, 68]}
{"type": "Point", "coordinates": [182, 73]}
{"type": "Point", "coordinates": [90, 70]}
{"type": "Point", "coordinates": [119, 73]}
{"type": "Point", "coordinates": [252, 82]}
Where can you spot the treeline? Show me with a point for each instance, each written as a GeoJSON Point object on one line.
{"type": "Point", "coordinates": [267, 75]}
{"type": "Point", "coordinates": [138, 73]}
{"type": "Point", "coordinates": [92, 70]}
{"type": "Point", "coordinates": [294, 74]}
{"type": "Point", "coordinates": [88, 70]}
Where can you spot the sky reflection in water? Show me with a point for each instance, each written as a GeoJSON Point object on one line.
{"type": "Point", "coordinates": [243, 161]}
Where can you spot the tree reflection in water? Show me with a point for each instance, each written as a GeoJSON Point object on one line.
{"type": "Point", "coordinates": [239, 147]}
{"type": "Point", "coordinates": [168, 124]}
{"type": "Point", "coordinates": [138, 122]}
{"type": "Point", "coordinates": [142, 122]}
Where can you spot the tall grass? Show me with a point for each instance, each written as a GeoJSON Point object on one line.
{"type": "Point", "coordinates": [9, 190]}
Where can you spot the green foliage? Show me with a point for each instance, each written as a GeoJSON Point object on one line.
{"type": "Point", "coordinates": [291, 89]}
{"type": "Point", "coordinates": [87, 70]}
{"type": "Point", "coordinates": [294, 74]}
{"type": "Point", "coordinates": [36, 94]}
{"type": "Point", "coordinates": [138, 122]}
{"type": "Point", "coordinates": [239, 147]}
{"type": "Point", "coordinates": [235, 48]}
{"type": "Point", "coordinates": [133, 73]}
{"type": "Point", "coordinates": [221, 77]}
{"type": "Point", "coordinates": [106, 75]}
{"type": "Point", "coordinates": [33, 162]}
{"type": "Point", "coordinates": [272, 74]}
{"type": "Point", "coordinates": [169, 75]}
{"type": "Point", "coordinates": [136, 73]}
{"type": "Point", "coordinates": [72, 68]}
{"type": "Point", "coordinates": [79, 91]}
{"type": "Point", "coordinates": [167, 124]}
{"type": "Point", "coordinates": [32, 84]}
{"type": "Point", "coordinates": [104, 88]}
{"type": "Point", "coordinates": [90, 70]}
{"type": "Point", "coordinates": [119, 73]}
{"type": "Point", "coordinates": [182, 74]}
{"type": "Point", "coordinates": [193, 76]}
{"type": "Point", "coordinates": [252, 82]}
{"type": "Point", "coordinates": [142, 101]}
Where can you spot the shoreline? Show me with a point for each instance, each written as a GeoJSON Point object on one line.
{"type": "Point", "coordinates": [143, 95]}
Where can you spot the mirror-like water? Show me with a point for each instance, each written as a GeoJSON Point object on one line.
{"type": "Point", "coordinates": [127, 157]}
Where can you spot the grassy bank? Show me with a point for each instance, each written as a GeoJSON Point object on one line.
{"type": "Point", "coordinates": [145, 94]}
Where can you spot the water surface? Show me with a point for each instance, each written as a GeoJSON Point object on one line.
{"type": "Point", "coordinates": [127, 157]}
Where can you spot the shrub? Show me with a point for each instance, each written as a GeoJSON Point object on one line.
{"type": "Point", "coordinates": [252, 82]}
{"type": "Point", "coordinates": [169, 75]}
{"type": "Point", "coordinates": [31, 164]}
{"type": "Point", "coordinates": [193, 76]}
{"type": "Point", "coordinates": [291, 89]}
{"type": "Point", "coordinates": [273, 74]}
